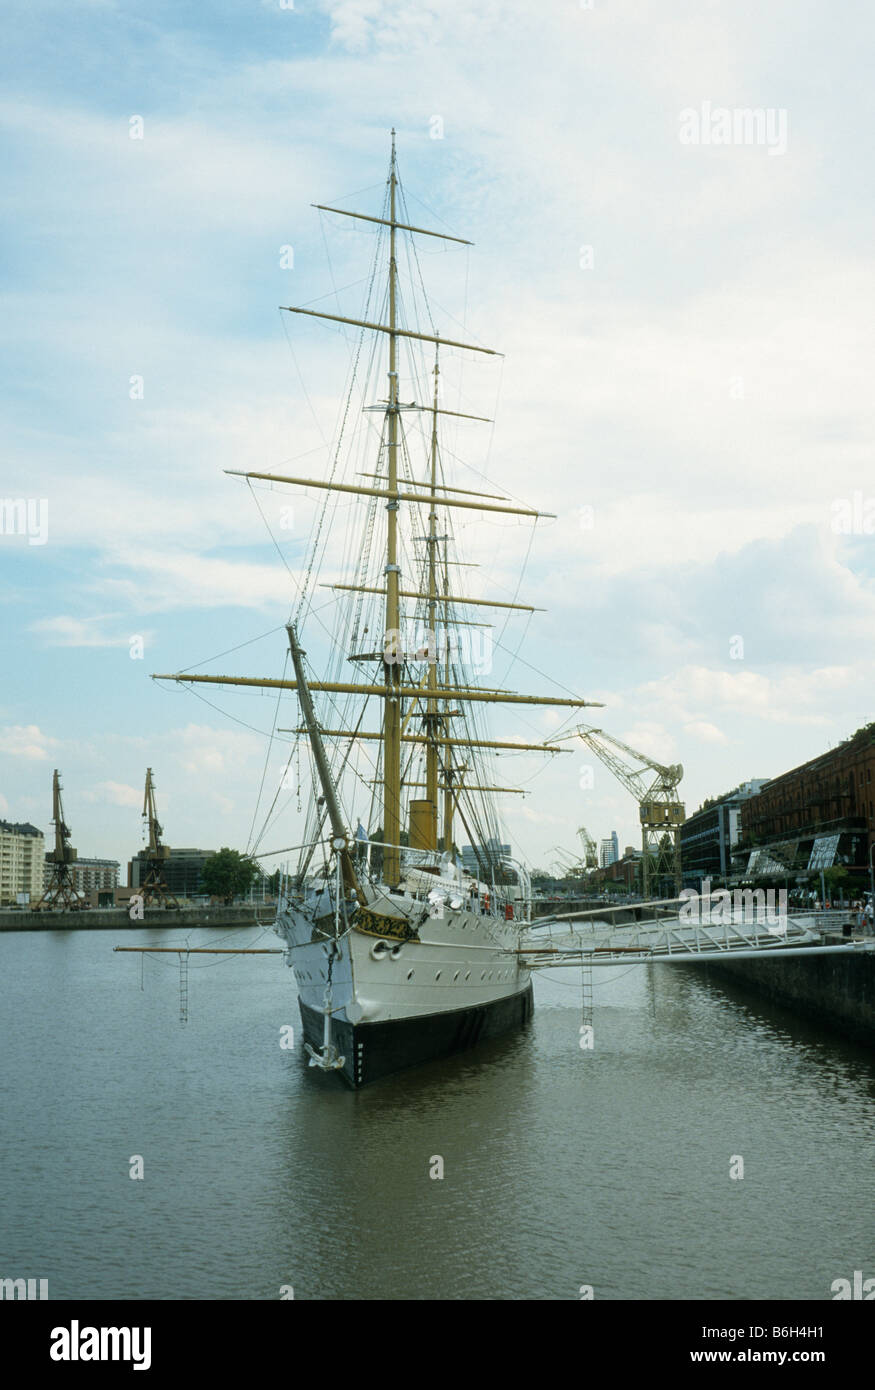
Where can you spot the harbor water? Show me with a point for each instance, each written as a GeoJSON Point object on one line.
{"type": "Point", "coordinates": [708, 1146]}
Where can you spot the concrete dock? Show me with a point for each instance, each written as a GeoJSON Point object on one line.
{"type": "Point", "coordinates": [837, 991]}
{"type": "Point", "coordinates": [119, 920]}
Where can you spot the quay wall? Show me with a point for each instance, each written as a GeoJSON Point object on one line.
{"type": "Point", "coordinates": [118, 918]}
{"type": "Point", "coordinates": [838, 991]}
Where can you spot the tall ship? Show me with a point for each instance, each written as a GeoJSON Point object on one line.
{"type": "Point", "coordinates": [403, 950]}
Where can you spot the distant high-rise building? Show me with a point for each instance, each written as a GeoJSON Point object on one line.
{"type": "Point", "coordinates": [710, 836]}
{"type": "Point", "coordinates": [89, 875]}
{"type": "Point", "coordinates": [477, 860]}
{"type": "Point", "coordinates": [183, 871]}
{"type": "Point", "coordinates": [22, 854]}
{"type": "Point", "coordinates": [609, 850]}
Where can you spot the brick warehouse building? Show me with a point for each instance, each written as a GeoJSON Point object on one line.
{"type": "Point", "coordinates": [832, 795]}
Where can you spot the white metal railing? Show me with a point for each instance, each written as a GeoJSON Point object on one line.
{"type": "Point", "coordinates": [491, 899]}
{"type": "Point", "coordinates": [738, 935]}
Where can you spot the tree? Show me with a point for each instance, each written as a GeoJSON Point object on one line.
{"type": "Point", "coordinates": [837, 882]}
{"type": "Point", "coordinates": [228, 874]}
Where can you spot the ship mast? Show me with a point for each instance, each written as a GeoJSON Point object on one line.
{"type": "Point", "coordinates": [437, 697]}
{"type": "Point", "coordinates": [392, 643]}
{"type": "Point", "coordinates": [431, 720]}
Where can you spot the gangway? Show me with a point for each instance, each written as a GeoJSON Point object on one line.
{"type": "Point", "coordinates": [676, 937]}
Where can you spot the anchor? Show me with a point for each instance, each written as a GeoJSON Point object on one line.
{"type": "Point", "coordinates": [328, 1059]}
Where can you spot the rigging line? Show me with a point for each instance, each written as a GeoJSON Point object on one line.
{"type": "Point", "coordinates": [414, 249]}
{"type": "Point", "coordinates": [601, 982]}
{"type": "Point", "coordinates": [342, 197]}
{"type": "Point", "coordinates": [510, 664]}
{"type": "Point", "coordinates": [286, 331]}
{"type": "Point", "coordinates": [230, 650]}
{"type": "Point", "coordinates": [251, 727]}
{"type": "Point", "coordinates": [530, 616]}
{"type": "Point", "coordinates": [538, 672]}
{"type": "Point", "coordinates": [354, 372]}
{"type": "Point", "coordinates": [267, 759]}
{"type": "Point", "coordinates": [431, 303]}
{"type": "Point", "coordinates": [229, 936]}
{"type": "Point", "coordinates": [317, 422]}
{"type": "Point", "coordinates": [539, 772]}
{"type": "Point", "coordinates": [560, 731]}
{"type": "Point", "coordinates": [270, 812]}
{"type": "Point", "coordinates": [293, 458]}
{"type": "Point", "coordinates": [465, 323]}
{"type": "Point", "coordinates": [295, 582]}
{"type": "Point", "coordinates": [484, 477]}
{"type": "Point", "coordinates": [353, 284]}
{"type": "Point", "coordinates": [491, 440]}
{"type": "Point", "coordinates": [338, 772]}
{"type": "Point", "coordinates": [430, 210]}
{"type": "Point", "coordinates": [311, 611]}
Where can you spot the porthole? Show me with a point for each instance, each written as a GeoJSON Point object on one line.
{"type": "Point", "coordinates": [467, 974]}
{"type": "Point", "coordinates": [483, 975]}
{"type": "Point", "coordinates": [437, 977]}
{"type": "Point", "coordinates": [410, 974]}
{"type": "Point", "coordinates": [456, 976]}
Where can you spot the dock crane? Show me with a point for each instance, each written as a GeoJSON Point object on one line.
{"type": "Point", "coordinates": [154, 885]}
{"type": "Point", "coordinates": [60, 892]}
{"type": "Point", "coordinates": [590, 848]}
{"type": "Point", "coordinates": [564, 863]}
{"type": "Point", "coordinates": [660, 811]}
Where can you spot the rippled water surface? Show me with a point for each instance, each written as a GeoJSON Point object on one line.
{"type": "Point", "coordinates": [562, 1167]}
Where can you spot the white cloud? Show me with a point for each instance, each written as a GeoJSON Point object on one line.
{"type": "Point", "coordinates": [116, 793]}
{"type": "Point", "coordinates": [707, 732]}
{"type": "Point", "coordinates": [65, 631]}
{"type": "Point", "coordinates": [26, 741]}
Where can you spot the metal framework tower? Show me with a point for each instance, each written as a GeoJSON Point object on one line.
{"type": "Point", "coordinates": [154, 885]}
{"type": "Point", "coordinates": [590, 848]}
{"type": "Point", "coordinates": [60, 892]}
{"type": "Point", "coordinates": [660, 811]}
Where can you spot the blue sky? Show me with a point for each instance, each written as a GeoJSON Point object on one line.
{"type": "Point", "coordinates": [703, 383]}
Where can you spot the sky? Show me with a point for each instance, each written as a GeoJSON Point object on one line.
{"type": "Point", "coordinates": [682, 296]}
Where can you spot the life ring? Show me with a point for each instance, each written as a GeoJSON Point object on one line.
{"type": "Point", "coordinates": [485, 902]}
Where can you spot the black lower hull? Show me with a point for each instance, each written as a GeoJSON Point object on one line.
{"type": "Point", "coordinates": [375, 1050]}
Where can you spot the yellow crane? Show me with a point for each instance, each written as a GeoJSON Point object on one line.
{"type": "Point", "coordinates": [60, 892]}
{"type": "Point", "coordinates": [655, 787]}
{"type": "Point", "coordinates": [590, 848]}
{"type": "Point", "coordinates": [153, 888]}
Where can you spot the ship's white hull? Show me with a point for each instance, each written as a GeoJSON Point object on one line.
{"type": "Point", "coordinates": [400, 1002]}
